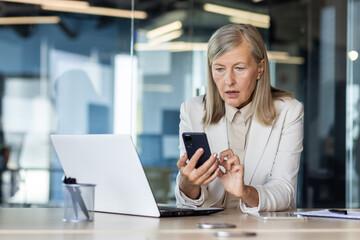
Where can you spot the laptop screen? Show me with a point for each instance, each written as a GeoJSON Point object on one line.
{"type": "Point", "coordinates": [112, 163]}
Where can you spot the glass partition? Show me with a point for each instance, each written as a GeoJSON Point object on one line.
{"type": "Point", "coordinates": [58, 72]}
{"type": "Point", "coordinates": [120, 66]}
{"type": "Point", "coordinates": [353, 107]}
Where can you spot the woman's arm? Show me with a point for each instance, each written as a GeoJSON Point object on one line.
{"type": "Point", "coordinates": [191, 183]}
{"type": "Point", "coordinates": [191, 179]}
{"type": "Point", "coordinates": [233, 179]}
{"type": "Point", "coordinates": [278, 193]}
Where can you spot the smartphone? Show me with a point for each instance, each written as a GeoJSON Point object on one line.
{"type": "Point", "coordinates": [193, 141]}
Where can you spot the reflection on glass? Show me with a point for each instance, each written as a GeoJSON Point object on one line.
{"type": "Point", "coordinates": [353, 109]}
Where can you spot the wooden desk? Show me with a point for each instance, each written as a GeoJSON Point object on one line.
{"type": "Point", "coordinates": [41, 223]}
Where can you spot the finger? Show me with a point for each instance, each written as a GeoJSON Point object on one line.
{"type": "Point", "coordinates": [182, 161]}
{"type": "Point", "coordinates": [203, 169]}
{"type": "Point", "coordinates": [221, 173]}
{"type": "Point", "coordinates": [234, 160]}
{"type": "Point", "coordinates": [211, 169]}
{"type": "Point", "coordinates": [223, 170]}
{"type": "Point", "coordinates": [212, 177]}
{"type": "Point", "coordinates": [226, 154]}
{"type": "Point", "coordinates": [236, 168]}
{"type": "Point", "coordinates": [207, 170]}
{"type": "Point", "coordinates": [208, 163]}
{"type": "Point", "coordinates": [195, 158]}
{"type": "Point", "coordinates": [241, 169]}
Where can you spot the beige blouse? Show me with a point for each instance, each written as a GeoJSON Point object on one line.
{"type": "Point", "coordinates": [238, 124]}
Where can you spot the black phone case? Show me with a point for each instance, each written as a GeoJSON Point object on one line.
{"type": "Point", "coordinates": [193, 141]}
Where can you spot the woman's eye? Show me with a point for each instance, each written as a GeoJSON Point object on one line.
{"type": "Point", "coordinates": [239, 68]}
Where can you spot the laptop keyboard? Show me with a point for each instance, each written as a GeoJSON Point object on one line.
{"type": "Point", "coordinates": [174, 209]}
{"type": "Point", "coordinates": [168, 211]}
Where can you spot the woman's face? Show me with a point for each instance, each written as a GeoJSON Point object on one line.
{"type": "Point", "coordinates": [235, 74]}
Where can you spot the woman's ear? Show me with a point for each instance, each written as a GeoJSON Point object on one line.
{"type": "Point", "coordinates": [260, 69]}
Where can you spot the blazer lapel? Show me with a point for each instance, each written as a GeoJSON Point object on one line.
{"type": "Point", "coordinates": [257, 141]}
{"type": "Point", "coordinates": [217, 136]}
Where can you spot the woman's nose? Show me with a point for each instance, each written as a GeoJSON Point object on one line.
{"type": "Point", "coordinates": [229, 78]}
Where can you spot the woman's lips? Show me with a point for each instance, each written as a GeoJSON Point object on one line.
{"type": "Point", "coordinates": [232, 94]}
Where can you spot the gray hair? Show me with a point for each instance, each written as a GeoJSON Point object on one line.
{"type": "Point", "coordinates": [228, 38]}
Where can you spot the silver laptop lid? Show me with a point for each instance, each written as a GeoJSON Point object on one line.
{"type": "Point", "coordinates": [112, 163]}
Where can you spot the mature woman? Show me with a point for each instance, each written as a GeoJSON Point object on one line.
{"type": "Point", "coordinates": [255, 131]}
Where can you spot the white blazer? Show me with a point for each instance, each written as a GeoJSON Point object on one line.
{"type": "Point", "coordinates": [271, 162]}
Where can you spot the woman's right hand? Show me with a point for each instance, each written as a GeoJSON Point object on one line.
{"type": "Point", "coordinates": [192, 178]}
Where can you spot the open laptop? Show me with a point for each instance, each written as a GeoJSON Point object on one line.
{"type": "Point", "coordinates": [111, 162]}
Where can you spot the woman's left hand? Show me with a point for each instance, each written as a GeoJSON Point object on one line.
{"type": "Point", "coordinates": [233, 179]}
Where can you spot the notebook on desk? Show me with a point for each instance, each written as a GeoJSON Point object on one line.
{"type": "Point", "coordinates": [111, 162]}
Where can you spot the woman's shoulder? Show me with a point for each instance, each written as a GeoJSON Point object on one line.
{"type": "Point", "coordinates": [193, 109]}
{"type": "Point", "coordinates": [194, 103]}
{"type": "Point", "coordinates": [288, 104]}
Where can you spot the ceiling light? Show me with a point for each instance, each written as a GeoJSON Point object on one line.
{"type": "Point", "coordinates": [249, 21]}
{"type": "Point", "coordinates": [164, 88]}
{"type": "Point", "coordinates": [67, 3]}
{"type": "Point", "coordinates": [277, 54]}
{"type": "Point", "coordinates": [284, 57]}
{"type": "Point", "coordinates": [166, 37]}
{"type": "Point", "coordinates": [232, 12]}
{"type": "Point", "coordinates": [110, 12]}
{"type": "Point", "coordinates": [29, 20]}
{"type": "Point", "coordinates": [37, 2]}
{"type": "Point", "coordinates": [353, 55]}
{"type": "Point", "coordinates": [164, 29]}
{"type": "Point", "coordinates": [82, 7]}
{"type": "Point", "coordinates": [172, 46]}
{"type": "Point", "coordinates": [52, 2]}
{"type": "Point", "coordinates": [290, 60]}
{"type": "Point", "coordinates": [250, 17]}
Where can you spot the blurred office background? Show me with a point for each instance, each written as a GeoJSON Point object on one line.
{"type": "Point", "coordinates": [125, 66]}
